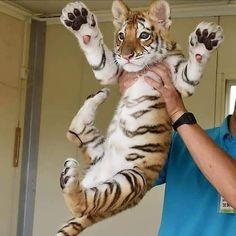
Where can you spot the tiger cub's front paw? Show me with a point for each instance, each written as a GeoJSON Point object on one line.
{"type": "Point", "coordinates": [79, 20]}
{"type": "Point", "coordinates": [205, 39]}
{"type": "Point", "coordinates": [69, 179]}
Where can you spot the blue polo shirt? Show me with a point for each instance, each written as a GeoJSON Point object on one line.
{"type": "Point", "coordinates": [191, 203]}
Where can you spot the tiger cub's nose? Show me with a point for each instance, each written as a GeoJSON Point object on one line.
{"type": "Point", "coordinates": [128, 56]}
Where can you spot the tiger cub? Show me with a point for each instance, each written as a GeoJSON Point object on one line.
{"type": "Point", "coordinates": [123, 165]}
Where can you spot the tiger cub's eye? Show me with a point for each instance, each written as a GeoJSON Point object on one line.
{"type": "Point", "coordinates": [121, 36]}
{"type": "Point", "coordinates": [144, 35]}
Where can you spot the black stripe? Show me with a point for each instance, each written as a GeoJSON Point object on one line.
{"type": "Point", "coordinates": [138, 114]}
{"type": "Point", "coordinates": [189, 94]}
{"type": "Point", "coordinates": [118, 71]}
{"type": "Point", "coordinates": [105, 197]}
{"type": "Point", "coordinates": [77, 136]}
{"type": "Point", "coordinates": [145, 98]}
{"type": "Point", "coordinates": [127, 199]}
{"type": "Point", "coordinates": [178, 64]}
{"type": "Point", "coordinates": [70, 220]}
{"type": "Point", "coordinates": [135, 190]}
{"type": "Point", "coordinates": [95, 196]}
{"type": "Point", "coordinates": [186, 79]}
{"type": "Point", "coordinates": [137, 101]}
{"type": "Point", "coordinates": [145, 49]}
{"type": "Point", "coordinates": [84, 128]}
{"type": "Point", "coordinates": [63, 232]}
{"type": "Point", "coordinates": [97, 159]}
{"type": "Point", "coordinates": [141, 23]}
{"type": "Point", "coordinates": [117, 194]}
{"type": "Point", "coordinates": [86, 203]}
{"type": "Point", "coordinates": [90, 131]}
{"type": "Point", "coordinates": [129, 179]}
{"type": "Point", "coordinates": [111, 186]}
{"type": "Point", "coordinates": [76, 226]}
{"type": "Point", "coordinates": [155, 129]}
{"type": "Point", "coordinates": [99, 199]}
{"type": "Point", "coordinates": [151, 47]}
{"type": "Point", "coordinates": [154, 168]}
{"type": "Point", "coordinates": [132, 193]}
{"type": "Point", "coordinates": [142, 19]}
{"type": "Point", "coordinates": [151, 148]}
{"type": "Point", "coordinates": [102, 62]}
{"type": "Point", "coordinates": [174, 46]}
{"type": "Point", "coordinates": [158, 106]}
{"type": "Point", "coordinates": [101, 141]}
{"type": "Point", "coordinates": [91, 219]}
{"type": "Point", "coordinates": [134, 157]}
{"type": "Point", "coordinates": [91, 140]}
{"type": "Point", "coordinates": [138, 173]}
{"type": "Point", "coordinates": [176, 54]}
{"type": "Point", "coordinates": [138, 187]}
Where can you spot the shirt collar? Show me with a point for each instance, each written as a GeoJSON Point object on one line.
{"type": "Point", "coordinates": [224, 128]}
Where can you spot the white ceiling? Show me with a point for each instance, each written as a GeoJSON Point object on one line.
{"type": "Point", "coordinates": [50, 8]}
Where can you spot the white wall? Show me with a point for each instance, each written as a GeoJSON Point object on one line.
{"type": "Point", "coordinates": [226, 64]}
{"type": "Point", "coordinates": [11, 51]}
{"type": "Point", "coordinates": [61, 93]}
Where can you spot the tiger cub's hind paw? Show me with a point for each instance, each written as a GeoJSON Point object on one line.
{"type": "Point", "coordinates": [69, 179]}
{"type": "Point", "coordinates": [79, 20]}
{"type": "Point", "coordinates": [205, 39]}
{"type": "Point", "coordinates": [99, 97]}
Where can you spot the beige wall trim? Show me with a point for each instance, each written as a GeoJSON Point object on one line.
{"type": "Point", "coordinates": [195, 10]}
{"type": "Point", "coordinates": [14, 11]}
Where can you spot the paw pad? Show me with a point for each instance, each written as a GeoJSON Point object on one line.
{"type": "Point", "coordinates": [77, 18]}
{"type": "Point", "coordinates": [206, 38]}
{"type": "Point", "coordinates": [198, 57]}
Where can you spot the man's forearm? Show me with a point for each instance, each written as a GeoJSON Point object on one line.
{"type": "Point", "coordinates": [218, 167]}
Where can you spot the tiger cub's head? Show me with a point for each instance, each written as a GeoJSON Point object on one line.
{"type": "Point", "coordinates": [141, 37]}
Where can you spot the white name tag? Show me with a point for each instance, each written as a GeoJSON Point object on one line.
{"type": "Point", "coordinates": [225, 207]}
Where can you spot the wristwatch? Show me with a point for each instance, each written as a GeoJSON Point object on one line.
{"type": "Point", "coordinates": [186, 118]}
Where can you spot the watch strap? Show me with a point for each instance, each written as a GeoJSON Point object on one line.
{"type": "Point", "coordinates": [186, 118]}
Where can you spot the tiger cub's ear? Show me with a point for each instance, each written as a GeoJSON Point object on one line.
{"type": "Point", "coordinates": [120, 12]}
{"type": "Point", "coordinates": [159, 12]}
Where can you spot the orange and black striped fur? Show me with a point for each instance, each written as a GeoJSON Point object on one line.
{"type": "Point", "coordinates": [123, 165]}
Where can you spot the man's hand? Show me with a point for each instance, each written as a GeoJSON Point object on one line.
{"type": "Point", "coordinates": [126, 80]}
{"type": "Point", "coordinates": [174, 103]}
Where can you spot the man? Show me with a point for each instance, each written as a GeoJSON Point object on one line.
{"type": "Point", "coordinates": [200, 173]}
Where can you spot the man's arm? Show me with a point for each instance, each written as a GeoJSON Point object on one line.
{"type": "Point", "coordinates": [218, 167]}
{"type": "Point", "coordinates": [214, 163]}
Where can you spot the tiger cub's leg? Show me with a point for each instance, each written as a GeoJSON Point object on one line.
{"type": "Point", "coordinates": [89, 205]}
{"type": "Point", "coordinates": [82, 131]}
{"type": "Point", "coordinates": [77, 18]}
{"type": "Point", "coordinates": [202, 42]}
{"type": "Point", "coordinates": [74, 226]}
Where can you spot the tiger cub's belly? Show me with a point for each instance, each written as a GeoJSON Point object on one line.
{"type": "Point", "coordinates": [132, 127]}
